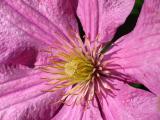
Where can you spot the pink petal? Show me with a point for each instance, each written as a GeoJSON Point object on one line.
{"type": "Point", "coordinates": [138, 53]}
{"type": "Point", "coordinates": [78, 112]}
{"type": "Point", "coordinates": [22, 96]}
{"type": "Point", "coordinates": [34, 20]}
{"type": "Point", "coordinates": [131, 104]}
{"type": "Point", "coordinates": [22, 53]}
{"type": "Point", "coordinates": [102, 17]}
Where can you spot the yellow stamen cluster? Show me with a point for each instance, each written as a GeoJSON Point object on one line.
{"type": "Point", "coordinates": [73, 68]}
{"type": "Point", "coordinates": [79, 69]}
{"type": "Point", "coordinates": [76, 69]}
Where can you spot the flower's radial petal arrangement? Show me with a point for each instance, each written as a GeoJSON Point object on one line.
{"type": "Point", "coordinates": [47, 72]}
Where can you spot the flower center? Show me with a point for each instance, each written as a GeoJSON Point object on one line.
{"type": "Point", "coordinates": [79, 69]}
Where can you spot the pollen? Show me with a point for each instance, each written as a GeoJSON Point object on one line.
{"type": "Point", "coordinates": [79, 69]}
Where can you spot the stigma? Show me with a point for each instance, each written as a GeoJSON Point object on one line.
{"type": "Point", "coordinates": [79, 69]}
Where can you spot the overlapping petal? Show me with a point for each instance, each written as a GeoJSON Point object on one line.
{"type": "Point", "coordinates": [36, 20]}
{"type": "Point", "coordinates": [137, 53]}
{"type": "Point", "coordinates": [131, 104]}
{"type": "Point", "coordinates": [102, 17]}
{"type": "Point", "coordinates": [23, 95]}
{"type": "Point", "coordinates": [79, 112]}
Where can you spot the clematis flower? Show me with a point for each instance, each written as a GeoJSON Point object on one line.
{"type": "Point", "coordinates": [39, 41]}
